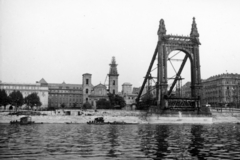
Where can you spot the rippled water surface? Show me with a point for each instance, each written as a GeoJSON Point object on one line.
{"type": "Point", "coordinates": [82, 141]}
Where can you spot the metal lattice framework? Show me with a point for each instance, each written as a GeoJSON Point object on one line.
{"type": "Point", "coordinates": [165, 45]}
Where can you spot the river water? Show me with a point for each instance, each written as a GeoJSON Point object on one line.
{"type": "Point", "coordinates": [82, 141]}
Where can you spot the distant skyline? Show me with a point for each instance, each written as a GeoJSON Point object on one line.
{"type": "Point", "coordinates": [59, 40]}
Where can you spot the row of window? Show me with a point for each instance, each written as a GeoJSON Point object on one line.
{"type": "Point", "coordinates": [221, 82]}
{"type": "Point", "coordinates": [220, 92]}
{"type": "Point", "coordinates": [35, 88]}
{"type": "Point", "coordinates": [65, 100]}
{"type": "Point", "coordinates": [60, 87]}
{"type": "Point", "coordinates": [20, 87]}
{"type": "Point", "coordinates": [221, 96]}
{"type": "Point", "coordinates": [219, 99]}
{"type": "Point", "coordinates": [56, 103]}
{"type": "Point", "coordinates": [100, 92]}
{"type": "Point", "coordinates": [87, 82]}
{"type": "Point", "coordinates": [63, 95]}
{"type": "Point", "coordinates": [64, 91]}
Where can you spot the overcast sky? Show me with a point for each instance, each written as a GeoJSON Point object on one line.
{"type": "Point", "coordinates": [59, 40]}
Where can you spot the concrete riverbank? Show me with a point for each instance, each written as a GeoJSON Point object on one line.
{"type": "Point", "coordinates": [140, 117]}
{"type": "Point", "coordinates": [226, 115]}
{"type": "Point", "coordinates": [127, 119]}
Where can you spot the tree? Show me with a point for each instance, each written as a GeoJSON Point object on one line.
{"type": "Point", "coordinates": [148, 99]}
{"type": "Point", "coordinates": [116, 100]}
{"type": "Point", "coordinates": [74, 104]}
{"type": "Point", "coordinates": [111, 98]}
{"type": "Point", "coordinates": [87, 105]}
{"type": "Point", "coordinates": [33, 100]}
{"type": "Point", "coordinates": [120, 101]}
{"type": "Point", "coordinates": [63, 105]}
{"type": "Point", "coordinates": [4, 99]}
{"type": "Point", "coordinates": [51, 108]}
{"type": "Point", "coordinates": [16, 99]}
{"type": "Point", "coordinates": [103, 104]}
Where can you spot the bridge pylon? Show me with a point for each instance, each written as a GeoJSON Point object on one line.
{"type": "Point", "coordinates": [165, 45]}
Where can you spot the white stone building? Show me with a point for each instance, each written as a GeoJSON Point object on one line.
{"type": "Point", "coordinates": [27, 89]}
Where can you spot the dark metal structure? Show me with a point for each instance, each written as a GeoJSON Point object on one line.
{"type": "Point", "coordinates": [165, 45]}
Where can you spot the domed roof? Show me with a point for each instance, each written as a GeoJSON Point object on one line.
{"type": "Point", "coordinates": [127, 84]}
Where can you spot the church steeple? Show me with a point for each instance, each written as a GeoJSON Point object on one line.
{"type": "Point", "coordinates": [113, 77]}
{"type": "Point", "coordinates": [113, 68]}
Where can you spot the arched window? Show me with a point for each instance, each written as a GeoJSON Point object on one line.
{"type": "Point", "coordinates": [86, 81]}
{"type": "Point", "coordinates": [113, 82]}
{"type": "Point", "coordinates": [86, 91]}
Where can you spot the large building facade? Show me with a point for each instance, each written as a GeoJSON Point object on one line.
{"type": "Point", "coordinates": [65, 95]}
{"type": "Point", "coordinates": [100, 91]}
{"type": "Point", "coordinates": [75, 95]}
{"type": "Point", "coordinates": [222, 89]}
{"type": "Point", "coordinates": [27, 89]}
{"type": "Point", "coordinates": [219, 89]}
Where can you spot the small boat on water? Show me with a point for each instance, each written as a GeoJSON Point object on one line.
{"type": "Point", "coordinates": [100, 121]}
{"type": "Point", "coordinates": [97, 121]}
{"type": "Point", "coordinates": [23, 121]}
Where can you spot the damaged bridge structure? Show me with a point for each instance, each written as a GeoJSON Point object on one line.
{"type": "Point", "coordinates": [168, 96]}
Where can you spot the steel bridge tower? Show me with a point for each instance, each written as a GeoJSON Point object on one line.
{"type": "Point", "coordinates": [165, 45]}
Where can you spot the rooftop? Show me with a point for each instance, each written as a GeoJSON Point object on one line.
{"type": "Point", "coordinates": [126, 84]}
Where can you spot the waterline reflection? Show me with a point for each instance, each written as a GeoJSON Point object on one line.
{"type": "Point", "coordinates": [82, 141]}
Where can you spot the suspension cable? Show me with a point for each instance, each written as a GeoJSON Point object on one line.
{"type": "Point", "coordinates": [174, 55]}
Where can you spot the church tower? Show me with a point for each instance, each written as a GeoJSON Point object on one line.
{"type": "Point", "coordinates": [86, 86]}
{"type": "Point", "coordinates": [113, 77]}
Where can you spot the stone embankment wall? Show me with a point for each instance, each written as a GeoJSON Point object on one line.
{"type": "Point", "coordinates": [225, 115]}
{"type": "Point", "coordinates": [91, 112]}
{"type": "Point", "coordinates": [83, 116]}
